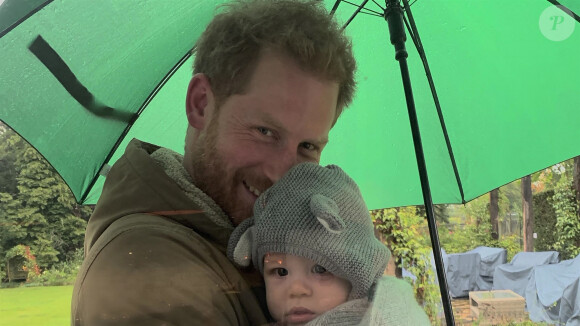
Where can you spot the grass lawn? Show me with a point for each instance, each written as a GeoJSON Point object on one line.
{"type": "Point", "coordinates": [43, 305]}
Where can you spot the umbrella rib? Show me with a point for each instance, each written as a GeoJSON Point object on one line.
{"type": "Point", "coordinates": [411, 34]}
{"type": "Point", "coordinates": [371, 14]}
{"type": "Point", "coordinates": [417, 41]}
{"type": "Point", "coordinates": [383, 9]}
{"type": "Point", "coordinates": [21, 20]}
{"type": "Point", "coordinates": [141, 108]}
{"type": "Point", "coordinates": [568, 11]}
{"type": "Point", "coordinates": [163, 81]}
{"type": "Point", "coordinates": [354, 4]}
{"type": "Point", "coordinates": [333, 10]}
{"type": "Point", "coordinates": [41, 154]}
{"type": "Point", "coordinates": [355, 13]}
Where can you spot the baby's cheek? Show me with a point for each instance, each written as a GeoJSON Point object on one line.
{"type": "Point", "coordinates": [275, 303]}
{"type": "Point", "coordinates": [329, 303]}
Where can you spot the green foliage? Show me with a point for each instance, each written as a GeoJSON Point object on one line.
{"type": "Point", "coordinates": [477, 230]}
{"type": "Point", "coordinates": [7, 170]}
{"type": "Point", "coordinates": [61, 273]}
{"type": "Point", "coordinates": [37, 209]}
{"type": "Point", "coordinates": [548, 179]}
{"type": "Point", "coordinates": [441, 212]}
{"type": "Point", "coordinates": [478, 211]}
{"type": "Point", "coordinates": [511, 197]}
{"type": "Point", "coordinates": [405, 233]}
{"type": "Point", "coordinates": [544, 221]}
{"type": "Point", "coordinates": [511, 243]}
{"type": "Point", "coordinates": [471, 236]}
{"type": "Point", "coordinates": [567, 220]}
{"type": "Point", "coordinates": [465, 238]}
{"type": "Point", "coordinates": [556, 219]}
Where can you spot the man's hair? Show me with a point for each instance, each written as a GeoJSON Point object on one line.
{"type": "Point", "coordinates": [229, 49]}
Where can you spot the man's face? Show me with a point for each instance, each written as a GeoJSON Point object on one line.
{"type": "Point", "coordinates": [298, 290]}
{"type": "Point", "coordinates": [282, 119]}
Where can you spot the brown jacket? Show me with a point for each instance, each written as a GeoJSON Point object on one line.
{"type": "Point", "coordinates": [155, 256]}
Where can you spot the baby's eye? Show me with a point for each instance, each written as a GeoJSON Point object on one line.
{"type": "Point", "coordinates": [281, 271]}
{"type": "Point", "coordinates": [317, 269]}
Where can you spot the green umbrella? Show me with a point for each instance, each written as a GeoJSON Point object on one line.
{"type": "Point", "coordinates": [509, 94]}
{"type": "Point", "coordinates": [80, 78]}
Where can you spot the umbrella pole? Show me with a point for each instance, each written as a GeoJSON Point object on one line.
{"type": "Point", "coordinates": [394, 17]}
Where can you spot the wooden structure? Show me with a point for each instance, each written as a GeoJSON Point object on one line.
{"type": "Point", "coordinates": [15, 269]}
{"type": "Point", "coordinates": [497, 307]}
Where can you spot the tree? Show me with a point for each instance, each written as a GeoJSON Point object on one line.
{"type": "Point", "coordinates": [528, 213]}
{"type": "Point", "coordinates": [40, 211]}
{"type": "Point", "coordinates": [7, 169]}
{"type": "Point", "coordinates": [494, 212]}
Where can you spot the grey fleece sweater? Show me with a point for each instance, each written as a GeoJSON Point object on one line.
{"type": "Point", "coordinates": [393, 304]}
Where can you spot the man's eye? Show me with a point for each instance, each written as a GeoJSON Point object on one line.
{"type": "Point", "coordinates": [265, 131]}
{"type": "Point", "coordinates": [308, 146]}
{"type": "Point", "coordinates": [319, 269]}
{"type": "Point", "coordinates": [281, 271]}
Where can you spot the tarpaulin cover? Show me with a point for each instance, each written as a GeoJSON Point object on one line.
{"type": "Point", "coordinates": [472, 270]}
{"type": "Point", "coordinates": [570, 304]}
{"type": "Point", "coordinates": [462, 271]}
{"type": "Point", "coordinates": [549, 287]}
{"type": "Point", "coordinates": [515, 275]}
{"type": "Point", "coordinates": [490, 259]}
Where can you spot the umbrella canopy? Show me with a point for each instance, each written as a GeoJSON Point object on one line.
{"type": "Point", "coordinates": [509, 92]}
{"type": "Point", "coordinates": [81, 78]}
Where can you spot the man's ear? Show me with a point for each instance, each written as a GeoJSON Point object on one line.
{"type": "Point", "coordinates": [199, 100]}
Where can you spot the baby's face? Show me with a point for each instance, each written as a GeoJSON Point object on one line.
{"type": "Point", "coordinates": [298, 290]}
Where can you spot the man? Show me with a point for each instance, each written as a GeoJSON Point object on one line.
{"type": "Point", "coordinates": [270, 80]}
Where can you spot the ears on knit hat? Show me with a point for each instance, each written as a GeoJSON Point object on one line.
{"type": "Point", "coordinates": [242, 253]}
{"type": "Point", "coordinates": [327, 212]}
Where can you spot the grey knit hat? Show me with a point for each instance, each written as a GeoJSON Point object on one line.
{"type": "Point", "coordinates": [317, 213]}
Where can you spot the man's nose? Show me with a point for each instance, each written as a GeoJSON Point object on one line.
{"type": "Point", "coordinates": [280, 163]}
{"type": "Point", "coordinates": [300, 288]}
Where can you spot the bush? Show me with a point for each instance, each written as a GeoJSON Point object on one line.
{"type": "Point", "coordinates": [511, 243]}
{"type": "Point", "coordinates": [472, 236]}
{"type": "Point", "coordinates": [567, 220]}
{"type": "Point", "coordinates": [55, 277]}
{"type": "Point", "coordinates": [62, 273]}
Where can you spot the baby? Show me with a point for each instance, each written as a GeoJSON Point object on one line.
{"type": "Point", "coordinates": [313, 240]}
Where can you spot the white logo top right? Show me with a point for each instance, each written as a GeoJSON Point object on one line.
{"type": "Point", "coordinates": [556, 23]}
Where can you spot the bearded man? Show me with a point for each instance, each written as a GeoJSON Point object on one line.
{"type": "Point", "coordinates": [270, 80]}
